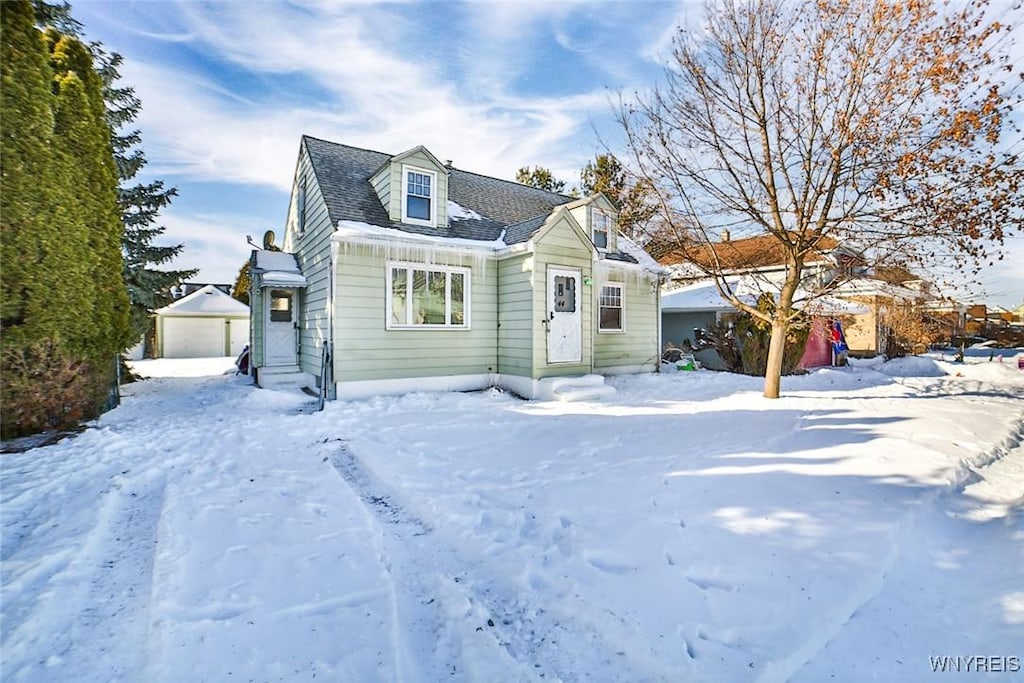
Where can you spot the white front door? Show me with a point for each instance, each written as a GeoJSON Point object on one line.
{"type": "Point", "coordinates": [565, 317]}
{"type": "Point", "coordinates": [279, 337]}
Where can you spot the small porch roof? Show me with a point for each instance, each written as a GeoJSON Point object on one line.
{"type": "Point", "coordinates": [277, 269]}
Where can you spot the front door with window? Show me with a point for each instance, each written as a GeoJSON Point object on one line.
{"type": "Point", "coordinates": [279, 340]}
{"type": "Point", "coordinates": [565, 317]}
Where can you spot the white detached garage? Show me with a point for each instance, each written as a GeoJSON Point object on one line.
{"type": "Point", "coordinates": [205, 324]}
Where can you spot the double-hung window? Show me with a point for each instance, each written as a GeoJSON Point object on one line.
{"type": "Point", "coordinates": [427, 296]}
{"type": "Point", "coordinates": [600, 227]}
{"type": "Point", "coordinates": [419, 188]}
{"type": "Point", "coordinates": [610, 305]}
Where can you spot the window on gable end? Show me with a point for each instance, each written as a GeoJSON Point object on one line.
{"type": "Point", "coordinates": [600, 227]}
{"type": "Point", "coordinates": [418, 193]}
{"type": "Point", "coordinates": [300, 205]}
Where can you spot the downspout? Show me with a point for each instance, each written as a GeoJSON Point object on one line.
{"type": "Point", "coordinates": [332, 389]}
{"type": "Point", "coordinates": [657, 312]}
{"type": "Point", "coordinates": [494, 379]}
{"type": "Point", "coordinates": [595, 311]}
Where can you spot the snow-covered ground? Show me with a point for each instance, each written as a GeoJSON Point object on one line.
{"type": "Point", "coordinates": [863, 527]}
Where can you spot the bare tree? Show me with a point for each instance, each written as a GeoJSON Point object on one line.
{"type": "Point", "coordinates": [878, 123]}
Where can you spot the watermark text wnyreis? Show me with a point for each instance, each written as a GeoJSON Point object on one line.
{"type": "Point", "coordinates": [974, 664]}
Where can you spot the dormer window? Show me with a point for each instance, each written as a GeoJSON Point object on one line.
{"type": "Point", "coordinates": [600, 227]}
{"type": "Point", "coordinates": [418, 196]}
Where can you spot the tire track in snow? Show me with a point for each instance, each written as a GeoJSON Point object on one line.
{"type": "Point", "coordinates": [119, 591]}
{"type": "Point", "coordinates": [429, 578]}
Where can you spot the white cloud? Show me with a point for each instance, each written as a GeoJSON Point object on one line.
{"type": "Point", "coordinates": [214, 243]}
{"type": "Point", "coordinates": [201, 129]}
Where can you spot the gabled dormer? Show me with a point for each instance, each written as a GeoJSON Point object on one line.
{"type": "Point", "coordinates": [599, 219]}
{"type": "Point", "coordinates": [413, 188]}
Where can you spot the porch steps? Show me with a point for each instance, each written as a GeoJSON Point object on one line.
{"type": "Point", "coordinates": [282, 377]}
{"type": "Point", "coordinates": [579, 388]}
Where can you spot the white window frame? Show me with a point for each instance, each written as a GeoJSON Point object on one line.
{"type": "Point", "coordinates": [596, 211]}
{"type": "Point", "coordinates": [622, 309]}
{"type": "Point", "coordinates": [434, 197]}
{"type": "Point", "coordinates": [409, 267]}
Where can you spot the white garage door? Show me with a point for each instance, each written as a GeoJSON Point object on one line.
{"type": "Point", "coordinates": [239, 335]}
{"type": "Point", "coordinates": [193, 337]}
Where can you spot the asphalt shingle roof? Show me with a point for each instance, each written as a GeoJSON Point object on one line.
{"type": "Point", "coordinates": [343, 174]}
{"type": "Point", "coordinates": [750, 253]}
{"type": "Point", "coordinates": [501, 206]}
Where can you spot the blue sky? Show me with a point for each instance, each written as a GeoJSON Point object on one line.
{"type": "Point", "coordinates": [228, 88]}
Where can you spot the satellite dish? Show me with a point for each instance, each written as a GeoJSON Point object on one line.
{"type": "Point", "coordinates": [268, 240]}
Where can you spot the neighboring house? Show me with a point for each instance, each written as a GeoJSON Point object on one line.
{"type": "Point", "coordinates": [699, 305]}
{"type": "Point", "coordinates": [861, 299]}
{"type": "Point", "coordinates": [752, 265]}
{"type": "Point", "coordinates": [867, 334]}
{"type": "Point", "coordinates": [415, 275]}
{"type": "Point", "coordinates": [186, 288]}
{"type": "Point", "coordinates": [205, 323]}
{"type": "Point", "coordinates": [760, 258]}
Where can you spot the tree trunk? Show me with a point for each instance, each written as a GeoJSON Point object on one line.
{"type": "Point", "coordinates": [773, 373]}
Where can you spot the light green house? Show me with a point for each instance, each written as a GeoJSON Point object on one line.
{"type": "Point", "coordinates": [401, 273]}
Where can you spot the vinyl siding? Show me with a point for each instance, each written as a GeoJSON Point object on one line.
{"type": "Point", "coordinates": [678, 326]}
{"type": "Point", "coordinates": [312, 250]}
{"type": "Point", "coordinates": [256, 319]}
{"type": "Point", "coordinates": [862, 329]}
{"type": "Point", "coordinates": [638, 343]}
{"type": "Point", "coordinates": [364, 349]}
{"type": "Point", "coordinates": [516, 314]}
{"type": "Point", "coordinates": [381, 182]}
{"type": "Point", "coordinates": [561, 246]}
{"type": "Point", "coordinates": [582, 216]}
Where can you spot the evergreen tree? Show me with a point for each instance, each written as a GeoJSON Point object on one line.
{"type": "Point", "coordinates": [240, 290]}
{"type": "Point", "coordinates": [140, 203]}
{"type": "Point", "coordinates": [64, 303]}
{"type": "Point", "coordinates": [27, 229]}
{"type": "Point", "coordinates": [540, 178]}
{"type": "Point", "coordinates": [633, 199]}
{"type": "Point", "coordinates": [83, 149]}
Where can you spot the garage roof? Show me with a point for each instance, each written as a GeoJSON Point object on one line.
{"type": "Point", "coordinates": [208, 301]}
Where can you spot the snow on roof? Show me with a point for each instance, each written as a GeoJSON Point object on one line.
{"type": "Point", "coordinates": [704, 296]}
{"type": "Point", "coordinates": [830, 305]}
{"type": "Point", "coordinates": [349, 230]}
{"type": "Point", "coordinates": [457, 212]}
{"type": "Point", "coordinates": [279, 268]}
{"type": "Point", "coordinates": [628, 246]}
{"type": "Point", "coordinates": [874, 287]}
{"type": "Point", "coordinates": [207, 301]}
{"type": "Point", "coordinates": [276, 260]}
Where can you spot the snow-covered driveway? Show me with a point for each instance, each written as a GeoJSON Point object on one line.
{"type": "Point", "coordinates": [684, 529]}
